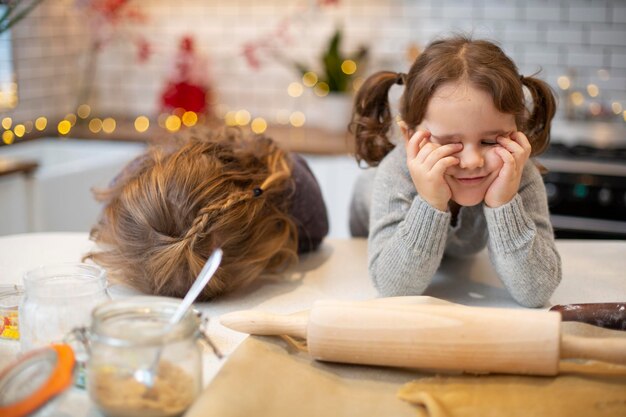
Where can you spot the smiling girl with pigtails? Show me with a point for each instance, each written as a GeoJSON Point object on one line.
{"type": "Point", "coordinates": [461, 177]}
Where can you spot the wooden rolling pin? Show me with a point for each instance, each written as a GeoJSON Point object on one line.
{"type": "Point", "coordinates": [437, 337]}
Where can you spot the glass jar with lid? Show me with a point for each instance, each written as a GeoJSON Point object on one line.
{"type": "Point", "coordinates": [133, 335]}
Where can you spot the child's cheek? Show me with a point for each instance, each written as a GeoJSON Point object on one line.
{"type": "Point", "coordinates": [493, 160]}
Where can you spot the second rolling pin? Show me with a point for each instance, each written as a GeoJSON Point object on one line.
{"type": "Point", "coordinates": [438, 337]}
{"type": "Point", "coordinates": [608, 315]}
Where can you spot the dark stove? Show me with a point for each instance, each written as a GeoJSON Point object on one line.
{"type": "Point", "coordinates": [586, 152]}
{"type": "Point", "coordinates": [586, 180]}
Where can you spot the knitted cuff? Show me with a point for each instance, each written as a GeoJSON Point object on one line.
{"type": "Point", "coordinates": [425, 227]}
{"type": "Point", "coordinates": [509, 226]}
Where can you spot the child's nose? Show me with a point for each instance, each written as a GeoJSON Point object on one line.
{"type": "Point", "coordinates": [470, 158]}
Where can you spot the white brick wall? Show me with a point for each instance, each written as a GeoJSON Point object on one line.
{"type": "Point", "coordinates": [555, 35]}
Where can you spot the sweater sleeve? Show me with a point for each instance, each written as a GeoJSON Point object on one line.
{"type": "Point", "coordinates": [359, 213]}
{"type": "Point", "coordinates": [407, 236]}
{"type": "Point", "coordinates": [521, 242]}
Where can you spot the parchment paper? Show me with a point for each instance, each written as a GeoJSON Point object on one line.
{"type": "Point", "coordinates": [267, 377]}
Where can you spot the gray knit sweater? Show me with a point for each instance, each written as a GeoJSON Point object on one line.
{"type": "Point", "coordinates": [408, 237]}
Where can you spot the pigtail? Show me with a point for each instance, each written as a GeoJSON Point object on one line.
{"type": "Point", "coordinates": [540, 118]}
{"type": "Point", "coordinates": [371, 117]}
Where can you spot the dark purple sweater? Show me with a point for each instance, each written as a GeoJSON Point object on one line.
{"type": "Point", "coordinates": [307, 207]}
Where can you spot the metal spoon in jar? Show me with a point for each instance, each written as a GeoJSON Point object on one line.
{"type": "Point", "coordinates": [147, 376]}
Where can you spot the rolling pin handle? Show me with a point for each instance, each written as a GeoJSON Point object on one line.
{"type": "Point", "coordinates": [266, 324]}
{"type": "Point", "coordinates": [612, 350]}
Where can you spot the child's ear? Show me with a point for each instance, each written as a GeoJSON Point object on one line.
{"type": "Point", "coordinates": [404, 128]}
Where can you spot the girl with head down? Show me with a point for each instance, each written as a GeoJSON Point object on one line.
{"type": "Point", "coordinates": [171, 207]}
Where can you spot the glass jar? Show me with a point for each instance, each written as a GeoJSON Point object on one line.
{"type": "Point", "coordinates": [132, 335]}
{"type": "Point", "coordinates": [58, 298]}
{"type": "Point", "coordinates": [10, 298]}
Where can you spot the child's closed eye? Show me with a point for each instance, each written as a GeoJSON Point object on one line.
{"type": "Point", "coordinates": [488, 142]}
{"type": "Point", "coordinates": [443, 140]}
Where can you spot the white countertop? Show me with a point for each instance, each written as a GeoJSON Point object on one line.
{"type": "Point", "coordinates": [593, 271]}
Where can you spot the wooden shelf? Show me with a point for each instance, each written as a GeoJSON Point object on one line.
{"type": "Point", "coordinates": [312, 140]}
{"type": "Point", "coordinates": [295, 139]}
{"type": "Point", "coordinates": [304, 140]}
{"type": "Point", "coordinates": [12, 166]}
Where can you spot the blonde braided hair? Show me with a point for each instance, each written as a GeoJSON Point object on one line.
{"type": "Point", "coordinates": [163, 219]}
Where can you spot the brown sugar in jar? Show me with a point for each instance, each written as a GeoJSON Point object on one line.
{"type": "Point", "coordinates": [126, 337]}
{"type": "Point", "coordinates": [123, 396]}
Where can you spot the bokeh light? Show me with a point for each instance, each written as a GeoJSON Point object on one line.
{"type": "Point", "coordinates": [577, 98]}
{"type": "Point", "coordinates": [7, 137]}
{"type": "Point", "coordinates": [41, 123]}
{"type": "Point", "coordinates": [142, 123]}
{"type": "Point", "coordinates": [190, 118]}
{"type": "Point", "coordinates": [242, 117]}
{"type": "Point", "coordinates": [108, 125]}
{"type": "Point", "coordinates": [258, 125]}
{"type": "Point", "coordinates": [19, 130]}
{"type": "Point", "coordinates": [95, 125]}
{"type": "Point", "coordinates": [297, 119]}
{"type": "Point", "coordinates": [309, 79]}
{"type": "Point", "coordinates": [83, 111]}
{"type": "Point", "coordinates": [295, 89]}
{"type": "Point", "coordinates": [321, 89]}
{"type": "Point", "coordinates": [173, 123]}
{"type": "Point", "coordinates": [564, 82]}
{"type": "Point", "coordinates": [348, 67]}
{"type": "Point", "coordinates": [64, 127]}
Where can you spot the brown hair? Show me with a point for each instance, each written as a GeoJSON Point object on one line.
{"type": "Point", "coordinates": [169, 209]}
{"type": "Point", "coordinates": [458, 58]}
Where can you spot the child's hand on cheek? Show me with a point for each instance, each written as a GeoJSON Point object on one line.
{"type": "Point", "coordinates": [514, 151]}
{"type": "Point", "coordinates": [427, 163]}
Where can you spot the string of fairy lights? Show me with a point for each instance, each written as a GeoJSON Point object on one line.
{"type": "Point", "coordinates": [179, 118]}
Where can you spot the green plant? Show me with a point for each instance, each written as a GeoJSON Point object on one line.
{"type": "Point", "coordinates": [333, 62]}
